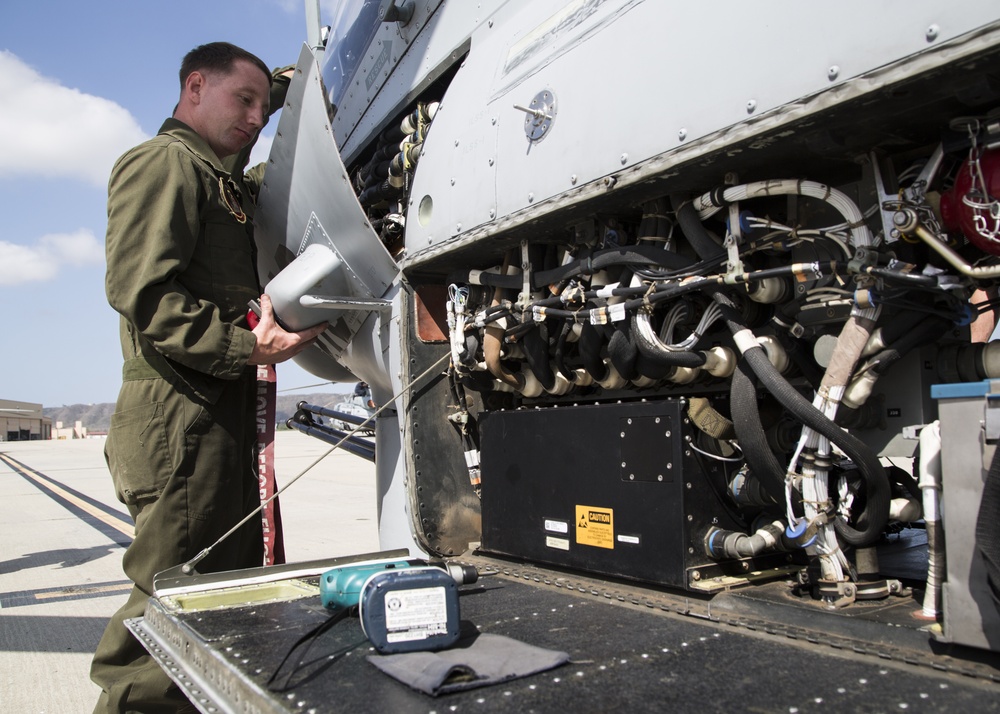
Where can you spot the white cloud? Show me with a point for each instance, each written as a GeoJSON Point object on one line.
{"type": "Point", "coordinates": [57, 131]}
{"type": "Point", "coordinates": [41, 262]}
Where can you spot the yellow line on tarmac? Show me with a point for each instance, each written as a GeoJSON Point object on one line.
{"type": "Point", "coordinates": [79, 503]}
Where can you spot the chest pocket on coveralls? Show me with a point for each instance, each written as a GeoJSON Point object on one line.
{"type": "Point", "coordinates": [229, 254]}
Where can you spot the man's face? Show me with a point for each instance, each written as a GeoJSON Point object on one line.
{"type": "Point", "coordinates": [232, 107]}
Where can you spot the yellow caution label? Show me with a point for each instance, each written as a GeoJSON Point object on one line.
{"type": "Point", "coordinates": [595, 526]}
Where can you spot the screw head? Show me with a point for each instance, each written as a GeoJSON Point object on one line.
{"type": "Point", "coordinates": [682, 134]}
{"type": "Point", "coordinates": [932, 33]}
{"type": "Point", "coordinates": [751, 106]}
{"type": "Point", "coordinates": [833, 72]}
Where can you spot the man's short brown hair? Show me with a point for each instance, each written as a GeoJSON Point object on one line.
{"type": "Point", "coordinates": [218, 57]}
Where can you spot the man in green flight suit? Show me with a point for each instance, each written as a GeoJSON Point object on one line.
{"type": "Point", "coordinates": [181, 270]}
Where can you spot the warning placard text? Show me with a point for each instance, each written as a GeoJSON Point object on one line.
{"type": "Point", "coordinates": [595, 526]}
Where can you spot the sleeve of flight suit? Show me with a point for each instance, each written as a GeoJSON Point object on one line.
{"type": "Point", "coordinates": [156, 193]}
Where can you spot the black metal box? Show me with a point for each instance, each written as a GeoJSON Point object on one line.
{"type": "Point", "coordinates": [598, 487]}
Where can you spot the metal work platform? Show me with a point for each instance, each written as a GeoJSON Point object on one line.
{"type": "Point", "coordinates": [629, 647]}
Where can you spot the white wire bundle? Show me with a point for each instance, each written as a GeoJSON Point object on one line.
{"type": "Point", "coordinates": [458, 298]}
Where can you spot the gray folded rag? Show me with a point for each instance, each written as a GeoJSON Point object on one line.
{"type": "Point", "coordinates": [474, 662]}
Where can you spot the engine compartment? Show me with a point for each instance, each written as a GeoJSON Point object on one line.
{"type": "Point", "coordinates": [713, 367]}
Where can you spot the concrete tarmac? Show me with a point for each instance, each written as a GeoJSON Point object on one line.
{"type": "Point", "coordinates": [63, 534]}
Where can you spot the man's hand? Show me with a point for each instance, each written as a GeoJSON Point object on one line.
{"type": "Point", "coordinates": [274, 344]}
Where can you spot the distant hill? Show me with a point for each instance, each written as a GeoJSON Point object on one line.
{"type": "Point", "coordinates": [97, 417]}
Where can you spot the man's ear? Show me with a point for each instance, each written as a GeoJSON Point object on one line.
{"type": "Point", "coordinates": [194, 85]}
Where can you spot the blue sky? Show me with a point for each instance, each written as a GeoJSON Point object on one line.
{"type": "Point", "coordinates": [80, 83]}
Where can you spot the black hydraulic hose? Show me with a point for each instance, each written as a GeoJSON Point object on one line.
{"type": "Point", "coordinates": [651, 368]}
{"type": "Point", "coordinates": [378, 172]}
{"type": "Point", "coordinates": [472, 345]}
{"type": "Point", "coordinates": [875, 515]}
{"type": "Point", "coordinates": [382, 191]}
{"type": "Point", "coordinates": [560, 352]}
{"type": "Point", "coordinates": [535, 344]}
{"type": "Point", "coordinates": [694, 230]}
{"type": "Point", "coordinates": [622, 352]}
{"type": "Point", "coordinates": [590, 343]}
{"type": "Point", "coordinates": [750, 433]}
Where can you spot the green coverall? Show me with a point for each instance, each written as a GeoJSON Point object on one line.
{"type": "Point", "coordinates": [181, 269]}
